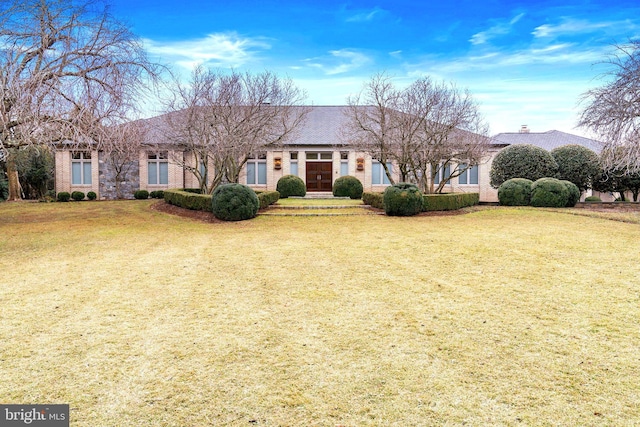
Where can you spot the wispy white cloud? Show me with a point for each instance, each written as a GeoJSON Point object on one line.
{"type": "Point", "coordinates": [366, 15]}
{"type": "Point", "coordinates": [219, 50]}
{"type": "Point", "coordinates": [499, 28]}
{"type": "Point", "coordinates": [572, 27]}
{"type": "Point", "coordinates": [339, 61]}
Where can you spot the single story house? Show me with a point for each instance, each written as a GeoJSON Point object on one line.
{"type": "Point", "coordinates": [317, 155]}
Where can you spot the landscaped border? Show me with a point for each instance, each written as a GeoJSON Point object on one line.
{"type": "Point", "coordinates": [188, 199]}
{"type": "Point", "coordinates": [431, 202]}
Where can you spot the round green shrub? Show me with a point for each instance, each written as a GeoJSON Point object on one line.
{"type": "Point", "coordinates": [549, 193]}
{"type": "Point", "coordinates": [574, 193]}
{"type": "Point", "coordinates": [402, 199]}
{"type": "Point", "coordinates": [63, 196]}
{"type": "Point", "coordinates": [515, 192]}
{"type": "Point", "coordinates": [577, 164]}
{"type": "Point", "coordinates": [91, 195]}
{"type": "Point", "coordinates": [593, 199]}
{"type": "Point", "coordinates": [522, 161]}
{"type": "Point", "coordinates": [141, 194]}
{"type": "Point", "coordinates": [291, 185]}
{"type": "Point", "coordinates": [234, 202]}
{"type": "Point", "coordinates": [348, 186]}
{"type": "Point", "coordinates": [77, 196]}
{"type": "Point", "coordinates": [158, 194]}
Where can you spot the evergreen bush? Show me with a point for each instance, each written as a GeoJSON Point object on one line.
{"type": "Point", "coordinates": [549, 193]}
{"type": "Point", "coordinates": [402, 199]}
{"type": "Point", "coordinates": [515, 192]}
{"type": "Point", "coordinates": [188, 200]}
{"type": "Point", "coordinates": [574, 193]}
{"type": "Point", "coordinates": [291, 185]}
{"type": "Point", "coordinates": [234, 202]}
{"type": "Point", "coordinates": [449, 202]}
{"type": "Point", "coordinates": [348, 186]}
{"type": "Point", "coordinates": [158, 194]}
{"type": "Point", "coordinates": [141, 194]}
{"type": "Point", "coordinates": [593, 199]}
{"type": "Point", "coordinates": [77, 196]}
{"type": "Point", "coordinates": [63, 196]}
{"type": "Point", "coordinates": [267, 198]}
{"type": "Point", "coordinates": [91, 195]}
{"type": "Point", "coordinates": [522, 161]}
{"type": "Point", "coordinates": [375, 200]}
{"type": "Point", "coordinates": [576, 164]}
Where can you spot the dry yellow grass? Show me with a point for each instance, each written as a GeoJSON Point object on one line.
{"type": "Point", "coordinates": [497, 317]}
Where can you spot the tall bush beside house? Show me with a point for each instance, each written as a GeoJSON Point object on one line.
{"type": "Point", "coordinates": [515, 192]}
{"type": "Point", "coordinates": [576, 164]}
{"type": "Point", "coordinates": [291, 185]}
{"type": "Point", "coordinates": [348, 186]}
{"type": "Point", "coordinates": [234, 202]}
{"type": "Point", "coordinates": [574, 193]}
{"type": "Point", "coordinates": [549, 193]}
{"type": "Point", "coordinates": [402, 199]}
{"type": "Point", "coordinates": [522, 161]}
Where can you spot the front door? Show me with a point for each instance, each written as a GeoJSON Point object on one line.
{"type": "Point", "coordinates": [319, 176]}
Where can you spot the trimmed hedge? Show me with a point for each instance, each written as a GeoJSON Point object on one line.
{"type": "Point", "coordinates": [549, 193]}
{"type": "Point", "coordinates": [77, 196]}
{"type": "Point", "coordinates": [141, 194]}
{"type": "Point", "coordinates": [63, 196]}
{"type": "Point", "coordinates": [234, 202]}
{"type": "Point", "coordinates": [348, 186]}
{"type": "Point", "coordinates": [515, 192]}
{"type": "Point", "coordinates": [267, 198]}
{"type": "Point", "coordinates": [187, 200]}
{"type": "Point", "coordinates": [593, 199]}
{"type": "Point", "coordinates": [574, 193]}
{"type": "Point", "coordinates": [91, 195]}
{"type": "Point", "coordinates": [291, 185]}
{"type": "Point", "coordinates": [158, 194]}
{"type": "Point", "coordinates": [449, 202]}
{"type": "Point", "coordinates": [402, 199]}
{"type": "Point", "coordinates": [375, 200]}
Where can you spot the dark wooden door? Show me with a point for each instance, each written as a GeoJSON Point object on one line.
{"type": "Point", "coordinates": [319, 176]}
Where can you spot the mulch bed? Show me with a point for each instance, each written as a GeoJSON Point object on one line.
{"type": "Point", "coordinates": [203, 216]}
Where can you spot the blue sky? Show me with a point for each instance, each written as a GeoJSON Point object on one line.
{"type": "Point", "coordinates": [524, 62]}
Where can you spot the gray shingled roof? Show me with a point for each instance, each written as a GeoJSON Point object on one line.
{"type": "Point", "coordinates": [321, 127]}
{"type": "Point", "coordinates": [547, 140]}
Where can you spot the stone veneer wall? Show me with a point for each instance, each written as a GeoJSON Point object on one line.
{"type": "Point", "coordinates": [108, 179]}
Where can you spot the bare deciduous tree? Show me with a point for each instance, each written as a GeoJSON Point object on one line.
{"type": "Point", "coordinates": [222, 119]}
{"type": "Point", "coordinates": [612, 111]}
{"type": "Point", "coordinates": [64, 68]}
{"type": "Point", "coordinates": [422, 128]}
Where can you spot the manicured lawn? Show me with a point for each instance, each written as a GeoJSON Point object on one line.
{"type": "Point", "coordinates": [497, 317]}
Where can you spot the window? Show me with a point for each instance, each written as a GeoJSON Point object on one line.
{"type": "Point", "coordinates": [81, 168]}
{"type": "Point", "coordinates": [468, 177]}
{"type": "Point", "coordinates": [320, 156]}
{"type": "Point", "coordinates": [442, 174]}
{"type": "Point", "coordinates": [344, 164]}
{"type": "Point", "coordinates": [257, 170]}
{"type": "Point", "coordinates": [158, 168]}
{"type": "Point", "coordinates": [293, 163]}
{"type": "Point", "coordinates": [378, 175]}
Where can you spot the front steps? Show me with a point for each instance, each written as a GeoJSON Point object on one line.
{"type": "Point", "coordinates": [332, 207]}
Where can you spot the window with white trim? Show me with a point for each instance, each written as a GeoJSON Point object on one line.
{"type": "Point", "coordinates": [257, 170]}
{"type": "Point", "coordinates": [293, 163]}
{"type": "Point", "coordinates": [378, 175]}
{"type": "Point", "coordinates": [81, 168]}
{"type": "Point", "coordinates": [158, 168]}
{"type": "Point", "coordinates": [344, 163]}
{"type": "Point", "coordinates": [468, 177]}
{"type": "Point", "coordinates": [442, 174]}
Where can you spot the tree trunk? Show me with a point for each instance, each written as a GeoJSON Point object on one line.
{"type": "Point", "coordinates": [14, 181]}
